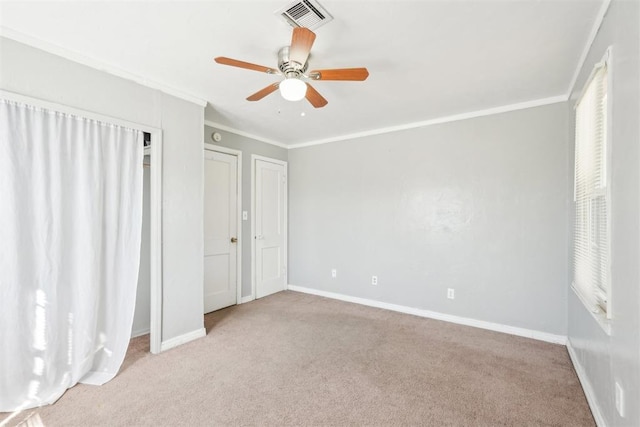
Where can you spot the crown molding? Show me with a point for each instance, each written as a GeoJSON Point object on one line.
{"type": "Point", "coordinates": [113, 70]}
{"type": "Point", "coordinates": [98, 65]}
{"type": "Point", "coordinates": [587, 47]}
{"type": "Point", "coordinates": [245, 134]}
{"type": "Point", "coordinates": [437, 121]}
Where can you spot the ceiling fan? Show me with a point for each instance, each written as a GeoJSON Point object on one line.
{"type": "Point", "coordinates": [292, 64]}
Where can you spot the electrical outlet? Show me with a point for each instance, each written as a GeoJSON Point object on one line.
{"type": "Point", "coordinates": [374, 280]}
{"type": "Point", "coordinates": [619, 399]}
{"type": "Point", "coordinates": [334, 273]}
{"type": "Point", "coordinates": [451, 293]}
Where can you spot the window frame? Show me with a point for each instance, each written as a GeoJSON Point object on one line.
{"type": "Point", "coordinates": [603, 317]}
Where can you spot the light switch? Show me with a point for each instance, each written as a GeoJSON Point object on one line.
{"type": "Point", "coordinates": [245, 215]}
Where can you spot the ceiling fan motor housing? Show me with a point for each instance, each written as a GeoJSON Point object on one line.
{"type": "Point", "coordinates": [291, 69]}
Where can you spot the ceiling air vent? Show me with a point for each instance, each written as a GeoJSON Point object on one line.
{"type": "Point", "coordinates": [305, 13]}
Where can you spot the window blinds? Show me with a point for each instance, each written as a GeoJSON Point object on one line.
{"type": "Point", "coordinates": [591, 245]}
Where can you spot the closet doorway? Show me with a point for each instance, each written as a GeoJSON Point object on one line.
{"type": "Point", "coordinates": [148, 304]}
{"type": "Point", "coordinates": [269, 225]}
{"type": "Point", "coordinates": [154, 202]}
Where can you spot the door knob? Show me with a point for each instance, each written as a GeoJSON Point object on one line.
{"type": "Point", "coordinates": [234, 240]}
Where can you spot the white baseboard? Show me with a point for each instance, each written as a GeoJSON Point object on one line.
{"type": "Point", "coordinates": [182, 339]}
{"type": "Point", "coordinates": [528, 333]}
{"type": "Point", "coordinates": [247, 299]}
{"type": "Point", "coordinates": [586, 386]}
{"type": "Point", "coordinates": [139, 332]}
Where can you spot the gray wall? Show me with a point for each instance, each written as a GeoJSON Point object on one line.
{"type": "Point", "coordinates": [248, 147]}
{"type": "Point", "coordinates": [477, 205]}
{"type": "Point", "coordinates": [38, 74]}
{"type": "Point", "coordinates": [605, 359]}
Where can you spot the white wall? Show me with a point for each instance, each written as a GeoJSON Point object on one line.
{"type": "Point", "coordinates": [604, 359]}
{"type": "Point", "coordinates": [32, 72]}
{"type": "Point", "coordinates": [478, 205]}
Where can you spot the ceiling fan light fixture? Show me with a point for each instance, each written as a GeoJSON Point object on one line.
{"type": "Point", "coordinates": [293, 89]}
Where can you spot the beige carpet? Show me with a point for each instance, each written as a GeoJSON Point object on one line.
{"type": "Point", "coordinates": [296, 359]}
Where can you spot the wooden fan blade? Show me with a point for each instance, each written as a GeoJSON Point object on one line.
{"type": "Point", "coordinates": [301, 43]}
{"type": "Point", "coordinates": [241, 64]}
{"type": "Point", "coordinates": [358, 74]}
{"type": "Point", "coordinates": [315, 98]}
{"type": "Point", "coordinates": [263, 92]}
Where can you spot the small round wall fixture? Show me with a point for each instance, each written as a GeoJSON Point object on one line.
{"type": "Point", "coordinates": [216, 137]}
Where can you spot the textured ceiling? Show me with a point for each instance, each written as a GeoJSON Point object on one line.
{"type": "Point", "coordinates": [427, 59]}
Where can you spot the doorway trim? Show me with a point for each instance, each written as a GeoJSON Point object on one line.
{"type": "Point", "coordinates": [285, 164]}
{"type": "Point", "coordinates": [211, 147]}
{"type": "Point", "coordinates": [155, 224]}
{"type": "Point", "coordinates": [155, 202]}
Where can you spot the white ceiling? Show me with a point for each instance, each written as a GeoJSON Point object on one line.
{"type": "Point", "coordinates": [426, 59]}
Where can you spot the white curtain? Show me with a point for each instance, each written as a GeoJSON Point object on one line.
{"type": "Point", "coordinates": [70, 227]}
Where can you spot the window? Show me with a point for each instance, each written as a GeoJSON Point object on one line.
{"type": "Point", "coordinates": [591, 278]}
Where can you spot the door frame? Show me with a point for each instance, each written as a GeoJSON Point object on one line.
{"type": "Point", "coordinates": [155, 252]}
{"type": "Point", "coordinates": [255, 157]}
{"type": "Point", "coordinates": [155, 203]}
{"type": "Point", "coordinates": [224, 150]}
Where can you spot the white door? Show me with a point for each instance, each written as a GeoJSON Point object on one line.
{"type": "Point", "coordinates": [270, 227]}
{"type": "Point", "coordinates": [220, 230]}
